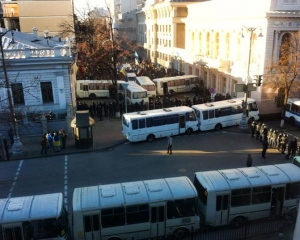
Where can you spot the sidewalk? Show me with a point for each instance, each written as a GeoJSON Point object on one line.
{"type": "Point", "coordinates": [106, 134]}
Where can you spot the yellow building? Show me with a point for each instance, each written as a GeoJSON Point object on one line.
{"type": "Point", "coordinates": [24, 15]}
{"type": "Point", "coordinates": [225, 42]}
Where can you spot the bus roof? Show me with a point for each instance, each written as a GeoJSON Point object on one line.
{"type": "Point", "coordinates": [213, 105]}
{"type": "Point", "coordinates": [166, 79]}
{"type": "Point", "coordinates": [140, 192]}
{"type": "Point", "coordinates": [133, 87]}
{"type": "Point", "coordinates": [98, 81]}
{"type": "Point", "coordinates": [144, 80]}
{"type": "Point", "coordinates": [229, 179]}
{"type": "Point", "coordinates": [294, 101]}
{"type": "Point", "coordinates": [30, 208]}
{"type": "Point", "coordinates": [158, 112]}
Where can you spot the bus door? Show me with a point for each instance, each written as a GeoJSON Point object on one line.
{"type": "Point", "coordinates": [85, 90]}
{"type": "Point", "coordinates": [277, 201]}
{"type": "Point", "coordinates": [187, 85]}
{"type": "Point", "coordinates": [222, 209]}
{"type": "Point", "coordinates": [182, 124]}
{"type": "Point", "coordinates": [91, 225]}
{"type": "Point", "coordinates": [158, 224]}
{"type": "Point", "coordinates": [13, 233]}
{"type": "Point", "coordinates": [165, 88]}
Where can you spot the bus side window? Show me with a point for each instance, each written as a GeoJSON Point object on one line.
{"type": "Point", "coordinates": [217, 113]}
{"type": "Point", "coordinates": [211, 114]}
{"type": "Point", "coordinates": [134, 124]}
{"type": "Point", "coordinates": [141, 123]}
{"type": "Point", "coordinates": [205, 115]}
{"type": "Point", "coordinates": [149, 122]}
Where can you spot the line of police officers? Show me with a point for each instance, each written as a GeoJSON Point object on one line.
{"type": "Point", "coordinates": [274, 139]}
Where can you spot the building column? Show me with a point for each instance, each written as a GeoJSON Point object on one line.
{"type": "Point", "coordinates": [276, 47]}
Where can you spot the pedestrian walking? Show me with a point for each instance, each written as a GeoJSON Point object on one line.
{"type": "Point", "coordinates": [170, 142]}
{"type": "Point", "coordinates": [44, 144]}
{"type": "Point", "coordinates": [249, 161]}
{"type": "Point", "coordinates": [265, 146]}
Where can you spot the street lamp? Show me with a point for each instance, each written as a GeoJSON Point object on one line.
{"type": "Point", "coordinates": [17, 147]}
{"type": "Point", "coordinates": [244, 121]}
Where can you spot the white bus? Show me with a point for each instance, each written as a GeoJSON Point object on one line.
{"type": "Point", "coordinates": [134, 93]}
{"type": "Point", "coordinates": [135, 210]}
{"type": "Point", "coordinates": [185, 83]}
{"type": "Point", "coordinates": [158, 123]}
{"type": "Point", "coordinates": [34, 217]}
{"type": "Point", "coordinates": [292, 111]}
{"type": "Point", "coordinates": [95, 88]}
{"type": "Point", "coordinates": [232, 196]}
{"type": "Point", "coordinates": [147, 84]}
{"type": "Point", "coordinates": [216, 115]}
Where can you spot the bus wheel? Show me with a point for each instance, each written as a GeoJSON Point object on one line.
{"type": "Point", "coordinates": [218, 127]}
{"type": "Point", "coordinates": [180, 233]}
{"type": "Point", "coordinates": [150, 138]}
{"type": "Point", "coordinates": [189, 131]}
{"type": "Point", "coordinates": [292, 121]}
{"type": "Point", "coordinates": [238, 221]}
{"type": "Point", "coordinates": [92, 96]}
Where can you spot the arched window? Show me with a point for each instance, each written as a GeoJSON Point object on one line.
{"type": "Point", "coordinates": [217, 45]}
{"type": "Point", "coordinates": [193, 41]}
{"type": "Point", "coordinates": [200, 42]}
{"type": "Point", "coordinates": [238, 48]}
{"type": "Point", "coordinates": [253, 48]}
{"type": "Point", "coordinates": [285, 48]}
{"type": "Point", "coordinates": [207, 44]}
{"type": "Point", "coordinates": [227, 45]}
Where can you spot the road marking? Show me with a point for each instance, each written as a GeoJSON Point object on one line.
{"type": "Point", "coordinates": [15, 179]}
{"type": "Point", "coordinates": [66, 183]}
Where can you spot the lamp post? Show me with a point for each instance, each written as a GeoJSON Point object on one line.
{"type": "Point", "coordinates": [244, 120]}
{"type": "Point", "coordinates": [17, 147]}
{"type": "Point", "coordinates": [125, 85]}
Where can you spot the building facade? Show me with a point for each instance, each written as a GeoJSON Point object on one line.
{"type": "Point", "coordinates": [23, 15]}
{"type": "Point", "coordinates": [225, 42]}
{"type": "Point", "coordinates": [41, 75]}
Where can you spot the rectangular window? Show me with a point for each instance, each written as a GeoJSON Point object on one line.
{"type": "Point", "coordinates": [137, 214]}
{"type": "Point", "coordinates": [240, 197]}
{"type": "Point", "coordinates": [17, 93]}
{"type": "Point", "coordinates": [292, 190]}
{"type": "Point", "coordinates": [134, 124]}
{"type": "Point", "coordinates": [205, 115]}
{"type": "Point", "coordinates": [261, 195]}
{"type": "Point", "coordinates": [141, 123]}
{"type": "Point", "coordinates": [113, 217]}
{"type": "Point", "coordinates": [47, 92]}
{"type": "Point", "coordinates": [149, 122]}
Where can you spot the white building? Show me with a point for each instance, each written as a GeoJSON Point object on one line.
{"type": "Point", "coordinates": [41, 76]}
{"type": "Point", "coordinates": [205, 38]}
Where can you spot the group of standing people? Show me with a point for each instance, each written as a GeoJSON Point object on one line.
{"type": "Point", "coordinates": [55, 141]}
{"type": "Point", "coordinates": [274, 139]}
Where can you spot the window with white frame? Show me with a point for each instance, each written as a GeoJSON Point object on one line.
{"type": "Point", "coordinates": [47, 92]}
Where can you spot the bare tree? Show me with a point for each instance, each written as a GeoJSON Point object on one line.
{"type": "Point", "coordinates": [101, 48]}
{"type": "Point", "coordinates": [284, 74]}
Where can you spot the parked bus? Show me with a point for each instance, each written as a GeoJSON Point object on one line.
{"type": "Point", "coordinates": [185, 83]}
{"type": "Point", "coordinates": [158, 123]}
{"type": "Point", "coordinates": [134, 93]}
{"type": "Point", "coordinates": [147, 84]}
{"type": "Point", "coordinates": [216, 115]}
{"type": "Point", "coordinates": [232, 196]}
{"type": "Point", "coordinates": [95, 88]}
{"type": "Point", "coordinates": [33, 217]}
{"type": "Point", "coordinates": [135, 210]}
{"type": "Point", "coordinates": [292, 111]}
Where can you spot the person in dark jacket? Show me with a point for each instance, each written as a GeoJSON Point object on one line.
{"type": "Point", "coordinates": [265, 146]}
{"type": "Point", "coordinates": [249, 161]}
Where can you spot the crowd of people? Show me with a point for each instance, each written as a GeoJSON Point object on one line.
{"type": "Point", "coordinates": [272, 138]}
{"type": "Point", "coordinates": [54, 141]}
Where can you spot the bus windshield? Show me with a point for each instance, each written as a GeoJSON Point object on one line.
{"type": "Point", "coordinates": [137, 95]}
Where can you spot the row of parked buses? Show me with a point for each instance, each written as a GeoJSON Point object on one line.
{"type": "Point", "coordinates": [155, 208]}
{"type": "Point", "coordinates": [159, 86]}
{"type": "Point", "coordinates": [158, 123]}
